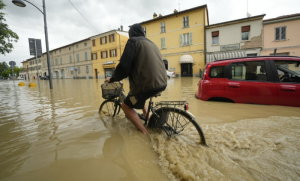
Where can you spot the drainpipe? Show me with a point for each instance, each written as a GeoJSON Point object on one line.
{"type": "Point", "coordinates": [74, 62]}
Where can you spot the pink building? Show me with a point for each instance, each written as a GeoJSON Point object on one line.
{"type": "Point", "coordinates": [282, 33]}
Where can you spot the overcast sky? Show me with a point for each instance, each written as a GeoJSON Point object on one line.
{"type": "Point", "coordinates": [66, 25]}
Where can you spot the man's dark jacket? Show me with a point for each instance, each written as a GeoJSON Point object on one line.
{"type": "Point", "coordinates": [142, 62]}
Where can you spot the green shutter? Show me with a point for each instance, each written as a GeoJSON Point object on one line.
{"type": "Point", "coordinates": [165, 46]}
{"type": "Point", "coordinates": [191, 38]}
{"type": "Point", "coordinates": [180, 39]}
{"type": "Point", "coordinates": [161, 43]}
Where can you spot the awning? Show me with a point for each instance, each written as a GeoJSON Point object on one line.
{"type": "Point", "coordinates": [186, 59]}
{"type": "Point", "coordinates": [224, 55]}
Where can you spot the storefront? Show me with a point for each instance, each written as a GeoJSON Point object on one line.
{"type": "Point", "coordinates": [186, 62]}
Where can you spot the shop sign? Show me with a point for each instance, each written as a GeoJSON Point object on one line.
{"type": "Point", "coordinates": [230, 47]}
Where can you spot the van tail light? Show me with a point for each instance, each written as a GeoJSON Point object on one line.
{"type": "Point", "coordinates": [206, 73]}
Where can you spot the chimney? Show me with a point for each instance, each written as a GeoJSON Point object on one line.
{"type": "Point", "coordinates": [159, 15]}
{"type": "Point", "coordinates": [154, 15]}
{"type": "Point", "coordinates": [121, 27]}
{"type": "Point", "coordinates": [175, 11]}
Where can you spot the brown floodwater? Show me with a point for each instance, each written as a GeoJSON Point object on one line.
{"type": "Point", "coordinates": [58, 135]}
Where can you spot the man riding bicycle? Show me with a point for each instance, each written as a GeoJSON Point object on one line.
{"type": "Point", "coordinates": [142, 62]}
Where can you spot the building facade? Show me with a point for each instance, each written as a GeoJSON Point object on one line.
{"type": "Point", "coordinates": [107, 49]}
{"type": "Point", "coordinates": [282, 34]}
{"type": "Point", "coordinates": [180, 38]}
{"type": "Point", "coordinates": [234, 39]}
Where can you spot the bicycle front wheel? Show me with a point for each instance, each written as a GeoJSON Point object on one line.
{"type": "Point", "coordinates": [107, 108]}
{"type": "Point", "coordinates": [176, 121]}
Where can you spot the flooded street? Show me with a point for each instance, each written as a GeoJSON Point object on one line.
{"type": "Point", "coordinates": [58, 135]}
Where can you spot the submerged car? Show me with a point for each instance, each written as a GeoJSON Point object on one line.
{"type": "Point", "coordinates": [272, 80]}
{"type": "Point", "coordinates": [171, 74]}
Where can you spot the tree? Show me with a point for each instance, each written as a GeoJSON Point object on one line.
{"type": "Point", "coordinates": [9, 71]}
{"type": "Point", "coordinates": [3, 68]}
{"type": "Point", "coordinates": [7, 36]}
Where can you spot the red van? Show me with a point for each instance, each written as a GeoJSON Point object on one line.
{"type": "Point", "coordinates": [273, 80]}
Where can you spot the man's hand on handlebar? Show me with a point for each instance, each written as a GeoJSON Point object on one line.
{"type": "Point", "coordinates": [107, 79]}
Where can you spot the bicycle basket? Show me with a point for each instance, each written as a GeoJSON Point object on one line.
{"type": "Point", "coordinates": [111, 91]}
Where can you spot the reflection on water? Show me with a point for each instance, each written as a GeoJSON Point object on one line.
{"type": "Point", "coordinates": [58, 135]}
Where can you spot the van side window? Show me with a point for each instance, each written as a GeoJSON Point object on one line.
{"type": "Point", "coordinates": [288, 71]}
{"type": "Point", "coordinates": [217, 72]}
{"type": "Point", "coordinates": [251, 70]}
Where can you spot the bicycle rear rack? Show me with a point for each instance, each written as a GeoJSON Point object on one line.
{"type": "Point", "coordinates": [173, 104]}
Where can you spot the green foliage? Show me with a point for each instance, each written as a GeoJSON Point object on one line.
{"type": "Point", "coordinates": [3, 68]}
{"type": "Point", "coordinates": [7, 36]}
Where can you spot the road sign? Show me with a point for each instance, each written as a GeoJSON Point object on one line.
{"type": "Point", "coordinates": [75, 69]}
{"type": "Point", "coordinates": [35, 47]}
{"type": "Point", "coordinates": [12, 63]}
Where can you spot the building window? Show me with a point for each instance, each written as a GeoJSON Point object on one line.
{"type": "Point", "coordinates": [162, 27]}
{"type": "Point", "coordinates": [59, 51]}
{"type": "Point", "coordinates": [87, 69]}
{"type": "Point", "coordinates": [94, 43]}
{"type": "Point", "coordinates": [280, 33]}
{"type": "Point", "coordinates": [56, 62]}
{"type": "Point", "coordinates": [76, 46]}
{"type": "Point", "coordinates": [70, 58]}
{"type": "Point", "coordinates": [78, 70]}
{"type": "Point", "coordinates": [94, 56]}
{"type": "Point", "coordinates": [85, 56]}
{"type": "Point", "coordinates": [245, 32]}
{"type": "Point", "coordinates": [104, 54]}
{"type": "Point", "coordinates": [112, 38]}
{"type": "Point", "coordinates": [186, 39]}
{"type": "Point", "coordinates": [85, 44]}
{"type": "Point", "coordinates": [144, 29]}
{"type": "Point", "coordinates": [186, 21]}
{"type": "Point", "coordinates": [60, 61]}
{"type": "Point", "coordinates": [113, 53]}
{"type": "Point", "coordinates": [215, 37]}
{"type": "Point", "coordinates": [163, 42]}
{"type": "Point", "coordinates": [77, 56]}
{"type": "Point", "coordinates": [103, 40]}
{"type": "Point", "coordinates": [43, 64]}
{"type": "Point", "coordinates": [51, 62]}
{"type": "Point", "coordinates": [69, 48]}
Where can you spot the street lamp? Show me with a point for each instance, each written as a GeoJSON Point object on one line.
{"type": "Point", "coordinates": [20, 3]}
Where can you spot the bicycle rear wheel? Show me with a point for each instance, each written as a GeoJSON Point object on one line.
{"type": "Point", "coordinates": [176, 121]}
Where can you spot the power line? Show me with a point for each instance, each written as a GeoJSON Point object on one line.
{"type": "Point", "coordinates": [83, 16]}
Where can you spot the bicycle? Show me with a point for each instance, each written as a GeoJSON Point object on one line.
{"type": "Point", "coordinates": [170, 116]}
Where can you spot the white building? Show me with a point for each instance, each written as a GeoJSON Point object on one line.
{"type": "Point", "coordinates": [234, 39]}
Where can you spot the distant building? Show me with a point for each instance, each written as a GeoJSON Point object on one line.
{"type": "Point", "coordinates": [180, 38]}
{"type": "Point", "coordinates": [107, 49]}
{"type": "Point", "coordinates": [234, 39]}
{"type": "Point", "coordinates": [282, 33]}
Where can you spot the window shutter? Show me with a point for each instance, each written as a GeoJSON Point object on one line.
{"type": "Point", "coordinates": [187, 19]}
{"type": "Point", "coordinates": [101, 54]}
{"type": "Point", "coordinates": [100, 41]}
{"type": "Point", "coordinates": [283, 33]}
{"type": "Point", "coordinates": [277, 33]}
{"type": "Point", "coordinates": [116, 51]}
{"type": "Point", "coordinates": [180, 39]}
{"type": "Point", "coordinates": [165, 46]}
{"type": "Point", "coordinates": [161, 43]}
{"type": "Point", "coordinates": [91, 56]}
{"type": "Point", "coordinates": [110, 53]}
{"type": "Point", "coordinates": [96, 55]}
{"type": "Point", "coordinates": [191, 38]}
{"type": "Point", "coordinates": [106, 54]}
{"type": "Point", "coordinates": [245, 28]}
{"type": "Point", "coordinates": [109, 38]}
{"type": "Point", "coordinates": [105, 39]}
{"type": "Point", "coordinates": [113, 37]}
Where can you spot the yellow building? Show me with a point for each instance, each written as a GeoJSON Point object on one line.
{"type": "Point", "coordinates": [107, 49]}
{"type": "Point", "coordinates": [180, 37]}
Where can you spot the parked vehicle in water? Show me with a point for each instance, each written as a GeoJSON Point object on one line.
{"type": "Point", "coordinates": [273, 80]}
{"type": "Point", "coordinates": [46, 77]}
{"type": "Point", "coordinates": [170, 74]}
{"type": "Point", "coordinates": [19, 78]}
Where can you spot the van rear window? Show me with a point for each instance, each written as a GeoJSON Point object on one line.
{"type": "Point", "coordinates": [217, 72]}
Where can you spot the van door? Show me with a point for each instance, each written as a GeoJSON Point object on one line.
{"type": "Point", "coordinates": [251, 82]}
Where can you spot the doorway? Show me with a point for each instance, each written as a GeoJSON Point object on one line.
{"type": "Point", "coordinates": [96, 73]}
{"type": "Point", "coordinates": [187, 70]}
{"type": "Point", "coordinates": [57, 74]}
{"type": "Point", "coordinates": [166, 64]}
{"type": "Point", "coordinates": [63, 74]}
